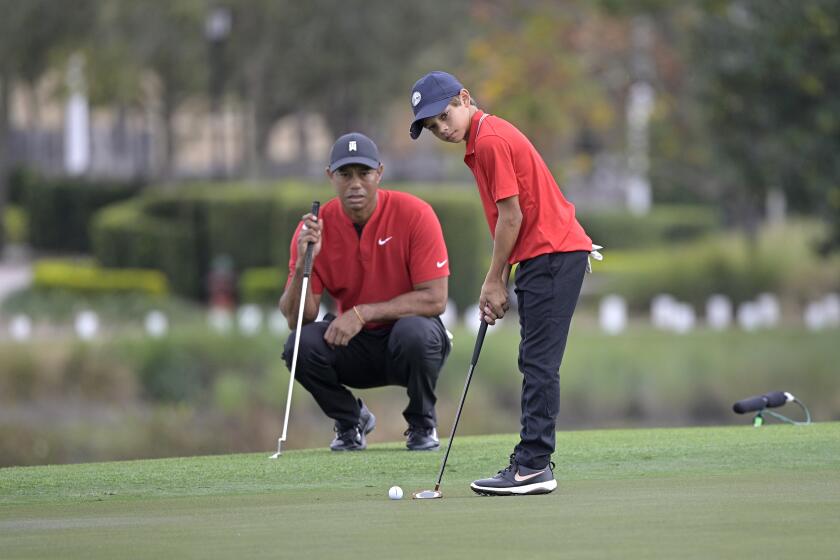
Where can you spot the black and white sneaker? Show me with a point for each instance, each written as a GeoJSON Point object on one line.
{"type": "Point", "coordinates": [354, 438]}
{"type": "Point", "coordinates": [516, 480]}
{"type": "Point", "coordinates": [421, 439]}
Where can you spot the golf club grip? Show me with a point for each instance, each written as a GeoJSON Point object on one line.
{"type": "Point", "coordinates": [307, 262]}
{"type": "Point", "coordinates": [767, 400]}
{"type": "Point", "coordinates": [479, 341]}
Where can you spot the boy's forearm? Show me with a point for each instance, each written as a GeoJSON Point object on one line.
{"type": "Point", "coordinates": [508, 225]}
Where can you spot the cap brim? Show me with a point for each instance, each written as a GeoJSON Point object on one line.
{"type": "Point", "coordinates": [430, 110]}
{"type": "Point", "coordinates": [372, 163]}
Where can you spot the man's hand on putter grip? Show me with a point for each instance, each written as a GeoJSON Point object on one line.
{"type": "Point", "coordinates": [309, 233]}
{"type": "Point", "coordinates": [342, 329]}
{"type": "Point", "coordinates": [493, 301]}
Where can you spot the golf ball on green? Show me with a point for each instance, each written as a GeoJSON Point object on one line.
{"type": "Point", "coordinates": [395, 493]}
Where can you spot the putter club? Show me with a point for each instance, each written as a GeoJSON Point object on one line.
{"type": "Point", "coordinates": [307, 271]}
{"type": "Point", "coordinates": [436, 493]}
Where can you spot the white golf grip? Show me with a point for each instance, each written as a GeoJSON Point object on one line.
{"type": "Point", "coordinates": [294, 357]}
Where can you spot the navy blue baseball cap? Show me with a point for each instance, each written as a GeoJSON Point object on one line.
{"type": "Point", "coordinates": [430, 96]}
{"type": "Point", "coordinates": [354, 147]}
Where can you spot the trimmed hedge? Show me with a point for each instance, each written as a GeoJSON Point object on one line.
{"type": "Point", "coordinates": [665, 223]}
{"type": "Point", "coordinates": [129, 235]}
{"type": "Point", "coordinates": [60, 210]}
{"type": "Point", "coordinates": [180, 233]}
{"type": "Point", "coordinates": [85, 277]}
{"type": "Point", "coordinates": [15, 223]}
{"type": "Point", "coordinates": [781, 259]}
{"type": "Point", "coordinates": [262, 285]}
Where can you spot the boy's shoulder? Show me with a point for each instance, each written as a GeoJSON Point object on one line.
{"type": "Point", "coordinates": [494, 128]}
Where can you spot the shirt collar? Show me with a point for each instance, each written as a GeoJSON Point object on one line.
{"type": "Point", "coordinates": [381, 197]}
{"type": "Point", "coordinates": [473, 132]}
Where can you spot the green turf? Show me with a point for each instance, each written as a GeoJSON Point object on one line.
{"type": "Point", "coordinates": [687, 493]}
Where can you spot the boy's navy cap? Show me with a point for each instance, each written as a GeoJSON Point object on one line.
{"type": "Point", "coordinates": [354, 147]}
{"type": "Point", "coordinates": [430, 96]}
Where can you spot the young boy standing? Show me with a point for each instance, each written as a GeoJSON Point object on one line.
{"type": "Point", "coordinates": [532, 224]}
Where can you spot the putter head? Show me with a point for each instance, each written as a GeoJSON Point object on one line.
{"type": "Point", "coordinates": [427, 495]}
{"type": "Point", "coordinates": [279, 445]}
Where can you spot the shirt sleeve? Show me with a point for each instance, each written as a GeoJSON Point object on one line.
{"type": "Point", "coordinates": [315, 281]}
{"type": "Point", "coordinates": [428, 258]}
{"type": "Point", "coordinates": [495, 159]}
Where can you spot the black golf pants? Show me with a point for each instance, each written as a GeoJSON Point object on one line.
{"type": "Point", "coordinates": [547, 290]}
{"type": "Point", "coordinates": [409, 354]}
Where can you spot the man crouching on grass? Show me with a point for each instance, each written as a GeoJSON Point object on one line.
{"type": "Point", "coordinates": [380, 255]}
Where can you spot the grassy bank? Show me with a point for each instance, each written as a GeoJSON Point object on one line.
{"type": "Point", "coordinates": [197, 392]}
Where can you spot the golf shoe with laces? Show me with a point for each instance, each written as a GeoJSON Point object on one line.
{"type": "Point", "coordinates": [355, 437]}
{"type": "Point", "coordinates": [517, 480]}
{"type": "Point", "coordinates": [421, 439]}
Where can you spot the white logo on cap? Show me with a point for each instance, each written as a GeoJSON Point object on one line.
{"type": "Point", "coordinates": [415, 98]}
{"type": "Point", "coordinates": [352, 146]}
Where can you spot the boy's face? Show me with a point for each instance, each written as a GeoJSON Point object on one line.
{"type": "Point", "coordinates": [453, 124]}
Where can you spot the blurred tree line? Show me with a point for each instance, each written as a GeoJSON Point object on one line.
{"type": "Point", "coordinates": [745, 89]}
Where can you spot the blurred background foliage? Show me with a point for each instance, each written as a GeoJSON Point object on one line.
{"type": "Point", "coordinates": [218, 130]}
{"type": "Point", "coordinates": [197, 391]}
{"type": "Point", "coordinates": [744, 102]}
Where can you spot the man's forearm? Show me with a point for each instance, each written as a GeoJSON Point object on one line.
{"type": "Point", "coordinates": [290, 301]}
{"type": "Point", "coordinates": [418, 302]}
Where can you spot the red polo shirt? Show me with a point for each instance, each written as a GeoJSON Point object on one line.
{"type": "Point", "coordinates": [505, 164]}
{"type": "Point", "coordinates": [401, 245]}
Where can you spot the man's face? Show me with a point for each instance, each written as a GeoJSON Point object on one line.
{"type": "Point", "coordinates": [453, 123]}
{"type": "Point", "coordinates": [356, 185]}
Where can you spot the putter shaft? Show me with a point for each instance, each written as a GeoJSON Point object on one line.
{"type": "Point", "coordinates": [479, 341]}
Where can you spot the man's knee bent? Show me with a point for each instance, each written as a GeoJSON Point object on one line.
{"type": "Point", "coordinates": [311, 343]}
{"type": "Point", "coordinates": [417, 337]}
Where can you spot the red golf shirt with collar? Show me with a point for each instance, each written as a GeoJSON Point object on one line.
{"type": "Point", "coordinates": [505, 164]}
{"type": "Point", "coordinates": [401, 245]}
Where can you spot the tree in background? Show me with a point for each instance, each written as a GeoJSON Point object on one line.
{"type": "Point", "coordinates": [150, 53]}
{"type": "Point", "coordinates": [344, 60]}
{"type": "Point", "coordinates": [555, 70]}
{"type": "Point", "coordinates": [32, 34]}
{"type": "Point", "coordinates": [769, 76]}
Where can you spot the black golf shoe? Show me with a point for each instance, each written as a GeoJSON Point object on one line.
{"type": "Point", "coordinates": [516, 480]}
{"type": "Point", "coordinates": [354, 438]}
{"type": "Point", "coordinates": [421, 439]}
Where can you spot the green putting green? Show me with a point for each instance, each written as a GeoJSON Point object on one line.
{"type": "Point", "coordinates": [664, 493]}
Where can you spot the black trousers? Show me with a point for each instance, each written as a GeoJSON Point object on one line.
{"type": "Point", "coordinates": [409, 354]}
{"type": "Point", "coordinates": [547, 291]}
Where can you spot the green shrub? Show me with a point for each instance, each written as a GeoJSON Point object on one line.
{"type": "Point", "coordinates": [84, 277]}
{"type": "Point", "coordinates": [15, 223]}
{"type": "Point", "coordinates": [262, 285]}
{"type": "Point", "coordinates": [664, 224]}
{"type": "Point", "coordinates": [19, 180]}
{"type": "Point", "coordinates": [180, 233]}
{"type": "Point", "coordinates": [130, 235]}
{"type": "Point", "coordinates": [781, 260]}
{"type": "Point", "coordinates": [120, 308]}
{"type": "Point", "coordinates": [60, 210]}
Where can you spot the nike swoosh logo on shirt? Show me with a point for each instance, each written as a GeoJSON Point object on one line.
{"type": "Point", "coordinates": [518, 478]}
{"type": "Point", "coordinates": [441, 263]}
{"type": "Point", "coordinates": [386, 240]}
